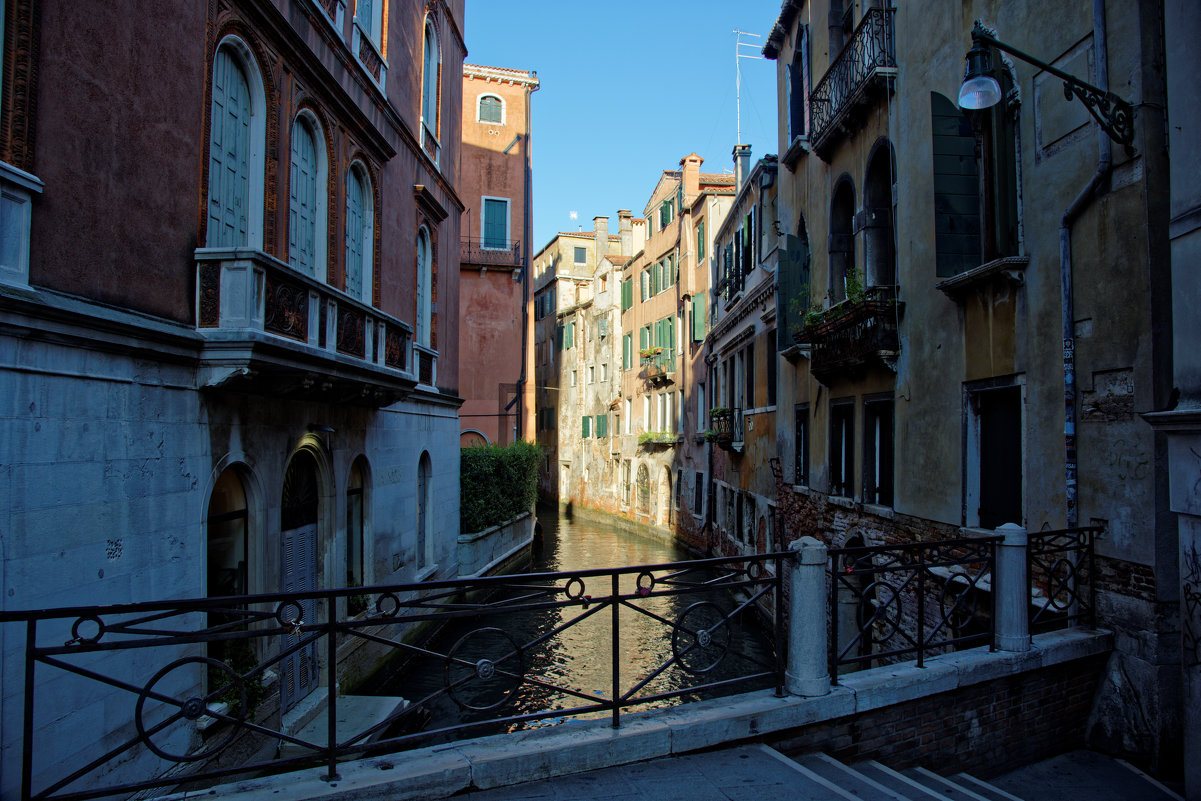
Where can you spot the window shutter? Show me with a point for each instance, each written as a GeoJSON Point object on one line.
{"type": "Point", "coordinates": [559, 337]}
{"type": "Point", "coordinates": [496, 233]}
{"type": "Point", "coordinates": [643, 335]}
{"type": "Point", "coordinates": [698, 321]}
{"type": "Point", "coordinates": [569, 336]}
{"type": "Point", "coordinates": [700, 240]}
{"type": "Point", "coordinates": [229, 154]}
{"type": "Point", "coordinates": [956, 189]}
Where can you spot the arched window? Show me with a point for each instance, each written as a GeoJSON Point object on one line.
{"type": "Point", "coordinates": [425, 540]}
{"type": "Point", "coordinates": [236, 132]}
{"type": "Point", "coordinates": [491, 109]}
{"type": "Point", "coordinates": [424, 275]}
{"type": "Point", "coordinates": [879, 254]}
{"type": "Point", "coordinates": [842, 240]}
{"type": "Point", "coordinates": [306, 198]}
{"type": "Point", "coordinates": [369, 16]}
{"type": "Point", "coordinates": [431, 66]}
{"type": "Point", "coordinates": [228, 537]}
{"type": "Point", "coordinates": [356, 564]}
{"type": "Point", "coordinates": [360, 233]}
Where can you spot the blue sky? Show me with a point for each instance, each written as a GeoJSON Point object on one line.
{"type": "Point", "coordinates": [627, 90]}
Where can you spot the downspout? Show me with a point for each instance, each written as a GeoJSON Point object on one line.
{"type": "Point", "coordinates": [526, 333]}
{"type": "Point", "coordinates": [1082, 201]}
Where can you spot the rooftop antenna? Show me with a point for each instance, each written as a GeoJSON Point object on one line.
{"type": "Point", "coordinates": [738, 56]}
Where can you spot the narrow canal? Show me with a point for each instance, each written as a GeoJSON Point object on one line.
{"type": "Point", "coordinates": [578, 657]}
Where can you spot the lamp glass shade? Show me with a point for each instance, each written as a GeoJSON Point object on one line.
{"type": "Point", "coordinates": [980, 91]}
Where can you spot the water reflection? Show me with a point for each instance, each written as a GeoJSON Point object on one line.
{"type": "Point", "coordinates": [558, 658]}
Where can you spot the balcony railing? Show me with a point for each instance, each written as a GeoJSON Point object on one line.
{"type": "Point", "coordinates": [168, 707]}
{"type": "Point", "coordinates": [490, 252]}
{"type": "Point", "coordinates": [660, 366]}
{"type": "Point", "coordinates": [853, 334]}
{"type": "Point", "coordinates": [865, 66]}
{"type": "Point", "coordinates": [305, 337]}
{"type": "Point", "coordinates": [1062, 570]}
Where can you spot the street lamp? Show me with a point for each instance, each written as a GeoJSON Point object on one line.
{"type": "Point", "coordinates": [981, 90]}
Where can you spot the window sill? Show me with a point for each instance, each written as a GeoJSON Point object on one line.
{"type": "Point", "coordinates": [425, 574]}
{"type": "Point", "coordinates": [1009, 268]}
{"type": "Point", "coordinates": [797, 148]}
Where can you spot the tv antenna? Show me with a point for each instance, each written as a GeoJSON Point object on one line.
{"type": "Point", "coordinates": [738, 56]}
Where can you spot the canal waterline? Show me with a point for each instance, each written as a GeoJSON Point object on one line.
{"type": "Point", "coordinates": [579, 657]}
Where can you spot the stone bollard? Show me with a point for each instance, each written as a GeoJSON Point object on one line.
{"type": "Point", "coordinates": [1012, 589]}
{"type": "Point", "coordinates": [807, 672]}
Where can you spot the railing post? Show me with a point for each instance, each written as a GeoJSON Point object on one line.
{"type": "Point", "coordinates": [808, 673]}
{"type": "Point", "coordinates": [1012, 590]}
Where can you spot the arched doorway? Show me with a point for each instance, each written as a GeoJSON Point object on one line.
{"type": "Point", "coordinates": [299, 514]}
{"type": "Point", "coordinates": [880, 232]}
{"type": "Point", "coordinates": [842, 240]}
{"type": "Point", "coordinates": [227, 527]}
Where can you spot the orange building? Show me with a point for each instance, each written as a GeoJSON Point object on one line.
{"type": "Point", "coordinates": [494, 254]}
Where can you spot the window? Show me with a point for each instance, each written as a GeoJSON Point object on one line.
{"type": "Point", "coordinates": [794, 294]}
{"type": "Point", "coordinates": [494, 223]}
{"type": "Point", "coordinates": [581, 256]}
{"type": "Point", "coordinates": [801, 439]}
{"type": "Point", "coordinates": [491, 109]}
{"type": "Point", "coordinates": [356, 564]}
{"type": "Point", "coordinates": [237, 136]}
{"type": "Point", "coordinates": [424, 277]}
{"type": "Point", "coordinates": [877, 451]}
{"type": "Point", "coordinates": [700, 241]}
{"type": "Point", "coordinates": [644, 282]}
{"type": "Point", "coordinates": [573, 377]}
{"type": "Point", "coordinates": [306, 199]}
{"type": "Point", "coordinates": [701, 409]}
{"type": "Point", "coordinates": [771, 368]}
{"type": "Point", "coordinates": [425, 538]}
{"type": "Point", "coordinates": [604, 371]}
{"type": "Point", "coordinates": [749, 374]}
{"type": "Point", "coordinates": [625, 481]}
{"type": "Point", "coordinates": [569, 336]}
{"type": "Point", "coordinates": [587, 425]}
{"type": "Point", "coordinates": [666, 209]}
{"type": "Point", "coordinates": [591, 374]}
{"type": "Point", "coordinates": [698, 318]}
{"type": "Point", "coordinates": [799, 80]}
{"type": "Point", "coordinates": [602, 425]}
{"type": "Point", "coordinates": [16, 219]}
{"type": "Point", "coordinates": [975, 181]}
{"type": "Point", "coordinates": [431, 67]}
{"type": "Point", "coordinates": [698, 495]}
{"type": "Point", "coordinates": [842, 448]}
{"type": "Point", "coordinates": [994, 460]}
{"type": "Point", "coordinates": [360, 234]}
{"type": "Point", "coordinates": [879, 231]}
{"type": "Point", "coordinates": [627, 294]}
{"type": "Point", "coordinates": [842, 240]}
{"type": "Point", "coordinates": [627, 351]}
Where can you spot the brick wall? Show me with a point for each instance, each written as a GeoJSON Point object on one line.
{"type": "Point", "coordinates": [985, 728]}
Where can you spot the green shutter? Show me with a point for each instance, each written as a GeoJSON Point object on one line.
{"type": "Point", "coordinates": [602, 425]}
{"type": "Point", "coordinates": [700, 240]}
{"type": "Point", "coordinates": [669, 326]}
{"type": "Point", "coordinates": [698, 321]}
{"type": "Point", "coordinates": [642, 338]}
{"type": "Point", "coordinates": [627, 351]}
{"type": "Point", "coordinates": [587, 420]}
{"type": "Point", "coordinates": [956, 189]}
{"type": "Point", "coordinates": [569, 336]}
{"type": "Point", "coordinates": [559, 337]}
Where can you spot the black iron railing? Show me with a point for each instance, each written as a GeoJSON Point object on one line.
{"type": "Point", "coordinates": [173, 694]}
{"type": "Point", "coordinates": [870, 56]}
{"type": "Point", "coordinates": [890, 603]}
{"type": "Point", "coordinates": [853, 334]}
{"type": "Point", "coordinates": [1062, 570]}
{"type": "Point", "coordinates": [489, 252]}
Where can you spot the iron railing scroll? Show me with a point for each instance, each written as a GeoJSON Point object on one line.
{"type": "Point", "coordinates": [869, 56]}
{"type": "Point", "coordinates": [909, 601]}
{"type": "Point", "coordinates": [1062, 569]}
{"type": "Point", "coordinates": [174, 700]}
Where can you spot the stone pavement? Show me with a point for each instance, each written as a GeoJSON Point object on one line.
{"type": "Point", "coordinates": [746, 773]}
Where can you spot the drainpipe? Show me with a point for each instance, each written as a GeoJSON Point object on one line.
{"type": "Point", "coordinates": [1082, 201]}
{"type": "Point", "coordinates": [525, 276]}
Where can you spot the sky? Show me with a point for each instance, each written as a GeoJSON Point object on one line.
{"type": "Point", "coordinates": [627, 90]}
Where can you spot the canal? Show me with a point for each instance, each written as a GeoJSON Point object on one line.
{"type": "Point", "coordinates": [566, 652]}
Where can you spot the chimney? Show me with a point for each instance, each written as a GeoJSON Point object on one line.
{"type": "Point", "coordinates": [626, 231]}
{"type": "Point", "coordinates": [600, 230]}
{"type": "Point", "coordinates": [690, 175]}
{"type": "Point", "coordinates": [742, 165]}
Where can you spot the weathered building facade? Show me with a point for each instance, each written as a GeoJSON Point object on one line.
{"type": "Point", "coordinates": [742, 362]}
{"type": "Point", "coordinates": [228, 315]}
{"type": "Point", "coordinates": [949, 278]}
{"type": "Point", "coordinates": [494, 255]}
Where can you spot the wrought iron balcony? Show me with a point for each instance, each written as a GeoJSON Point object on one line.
{"type": "Point", "coordinates": [727, 425]}
{"type": "Point", "coordinates": [852, 335]}
{"type": "Point", "coordinates": [866, 67]}
{"type": "Point", "coordinates": [660, 366]}
{"type": "Point", "coordinates": [489, 252]}
{"type": "Point", "coordinates": [271, 330]}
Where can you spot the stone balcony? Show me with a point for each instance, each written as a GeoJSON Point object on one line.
{"type": "Point", "coordinates": [271, 330]}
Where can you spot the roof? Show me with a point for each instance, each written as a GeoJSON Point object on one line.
{"type": "Point", "coordinates": [504, 74]}
{"type": "Point", "coordinates": [788, 13]}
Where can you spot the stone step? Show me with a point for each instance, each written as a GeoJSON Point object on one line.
{"type": "Point", "coordinates": [849, 780]}
{"type": "Point", "coordinates": [981, 787]}
{"type": "Point", "coordinates": [948, 788]}
{"type": "Point", "coordinates": [898, 782]}
{"type": "Point", "coordinates": [1083, 776]}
